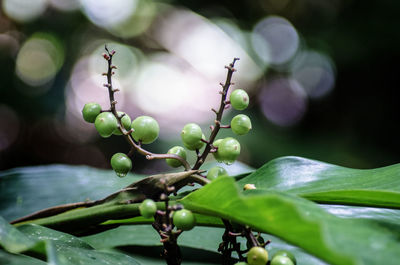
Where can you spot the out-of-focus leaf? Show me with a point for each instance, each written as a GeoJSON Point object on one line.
{"type": "Point", "coordinates": [201, 238]}
{"type": "Point", "coordinates": [328, 183]}
{"type": "Point", "coordinates": [299, 222]}
{"type": "Point", "coordinates": [14, 241]}
{"type": "Point", "coordinates": [37, 232]}
{"type": "Point", "coordinates": [16, 259]}
{"type": "Point", "coordinates": [26, 190]}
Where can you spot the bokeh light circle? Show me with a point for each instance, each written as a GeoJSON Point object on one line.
{"type": "Point", "coordinates": [39, 59]}
{"type": "Point", "coordinates": [283, 101]}
{"type": "Point", "coordinates": [315, 72]}
{"type": "Point", "coordinates": [275, 40]}
{"type": "Point", "coordinates": [24, 10]}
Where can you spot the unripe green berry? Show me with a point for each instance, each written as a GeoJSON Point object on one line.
{"type": "Point", "coordinates": [229, 150]}
{"type": "Point", "coordinates": [184, 220]}
{"type": "Point", "coordinates": [216, 154]}
{"type": "Point", "coordinates": [121, 164]}
{"type": "Point", "coordinates": [105, 124]}
{"type": "Point", "coordinates": [176, 150]}
{"type": "Point", "coordinates": [239, 99]}
{"type": "Point", "coordinates": [191, 136]}
{"type": "Point", "coordinates": [257, 256]}
{"type": "Point", "coordinates": [197, 146]}
{"type": "Point", "coordinates": [148, 208]}
{"type": "Point", "coordinates": [216, 172]}
{"type": "Point", "coordinates": [146, 129]}
{"type": "Point", "coordinates": [241, 124]}
{"type": "Point", "coordinates": [281, 260]}
{"type": "Point", "coordinates": [126, 122]}
{"type": "Point", "coordinates": [285, 253]}
{"type": "Point", "coordinates": [90, 111]}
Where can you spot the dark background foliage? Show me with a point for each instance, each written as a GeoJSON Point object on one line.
{"type": "Point", "coordinates": [355, 124]}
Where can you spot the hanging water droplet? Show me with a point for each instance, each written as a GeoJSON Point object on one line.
{"type": "Point", "coordinates": [121, 175]}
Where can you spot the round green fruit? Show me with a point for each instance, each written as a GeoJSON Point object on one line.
{"type": "Point", "coordinates": [229, 150]}
{"type": "Point", "coordinates": [285, 253]}
{"type": "Point", "coordinates": [148, 208]}
{"type": "Point", "coordinates": [216, 172]}
{"type": "Point", "coordinates": [126, 122]}
{"type": "Point", "coordinates": [191, 135]}
{"type": "Point", "coordinates": [257, 256]}
{"type": "Point", "coordinates": [184, 220]}
{"type": "Point", "coordinates": [121, 164]}
{"type": "Point", "coordinates": [105, 124]}
{"type": "Point", "coordinates": [239, 99]}
{"type": "Point", "coordinates": [90, 111]}
{"type": "Point", "coordinates": [281, 260]}
{"type": "Point", "coordinates": [241, 124]}
{"type": "Point", "coordinates": [146, 129]}
{"type": "Point", "coordinates": [216, 154]}
{"type": "Point", "coordinates": [241, 263]}
{"type": "Point", "coordinates": [176, 150]}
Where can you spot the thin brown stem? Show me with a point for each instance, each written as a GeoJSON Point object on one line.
{"type": "Point", "coordinates": [149, 155]}
{"type": "Point", "coordinates": [215, 129]}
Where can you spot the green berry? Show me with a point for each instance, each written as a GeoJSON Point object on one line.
{"type": "Point", "coordinates": [146, 129]}
{"type": "Point", "coordinates": [241, 124]}
{"type": "Point", "coordinates": [90, 111]}
{"type": "Point", "coordinates": [148, 208]}
{"type": "Point", "coordinates": [285, 253]}
{"type": "Point", "coordinates": [239, 99]}
{"type": "Point", "coordinates": [281, 260]}
{"type": "Point", "coordinates": [121, 164]}
{"type": "Point", "coordinates": [176, 150]}
{"type": "Point", "coordinates": [257, 256]}
{"type": "Point", "coordinates": [216, 172]}
{"type": "Point", "coordinates": [191, 136]}
{"type": "Point", "coordinates": [126, 122]}
{"type": "Point", "coordinates": [229, 150]}
{"type": "Point", "coordinates": [105, 124]}
{"type": "Point", "coordinates": [216, 154]}
{"type": "Point", "coordinates": [241, 263]}
{"type": "Point", "coordinates": [184, 220]}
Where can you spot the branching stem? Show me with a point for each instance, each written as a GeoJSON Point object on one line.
{"type": "Point", "coordinates": [149, 155]}
{"type": "Point", "coordinates": [215, 129]}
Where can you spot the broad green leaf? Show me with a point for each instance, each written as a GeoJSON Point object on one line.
{"type": "Point", "coordinates": [299, 222]}
{"type": "Point", "coordinates": [14, 241]}
{"type": "Point", "coordinates": [26, 190]}
{"type": "Point", "coordinates": [16, 259]}
{"type": "Point", "coordinates": [326, 183]}
{"type": "Point", "coordinates": [201, 238]}
{"type": "Point", "coordinates": [37, 232]}
{"type": "Point", "coordinates": [65, 249]}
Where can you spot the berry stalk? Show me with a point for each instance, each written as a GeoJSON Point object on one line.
{"type": "Point", "coordinates": [223, 104]}
{"type": "Point", "coordinates": [127, 134]}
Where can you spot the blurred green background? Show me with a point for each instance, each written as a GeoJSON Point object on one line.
{"type": "Point", "coordinates": [322, 76]}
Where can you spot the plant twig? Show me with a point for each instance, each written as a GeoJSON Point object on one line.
{"type": "Point", "coordinates": [217, 126]}
{"type": "Point", "coordinates": [149, 155]}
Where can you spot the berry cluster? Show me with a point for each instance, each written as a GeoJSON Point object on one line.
{"type": "Point", "coordinates": [145, 130]}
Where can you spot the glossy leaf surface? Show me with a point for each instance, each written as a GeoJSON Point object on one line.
{"type": "Point", "coordinates": [300, 222]}
{"type": "Point", "coordinates": [326, 183]}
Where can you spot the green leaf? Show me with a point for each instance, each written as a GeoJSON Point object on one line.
{"type": "Point", "coordinates": [14, 241]}
{"type": "Point", "coordinates": [65, 249]}
{"type": "Point", "coordinates": [14, 259]}
{"type": "Point", "coordinates": [37, 232]}
{"type": "Point", "coordinates": [201, 238]}
{"type": "Point", "coordinates": [26, 190]}
{"type": "Point", "coordinates": [299, 222]}
{"type": "Point", "coordinates": [326, 183]}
